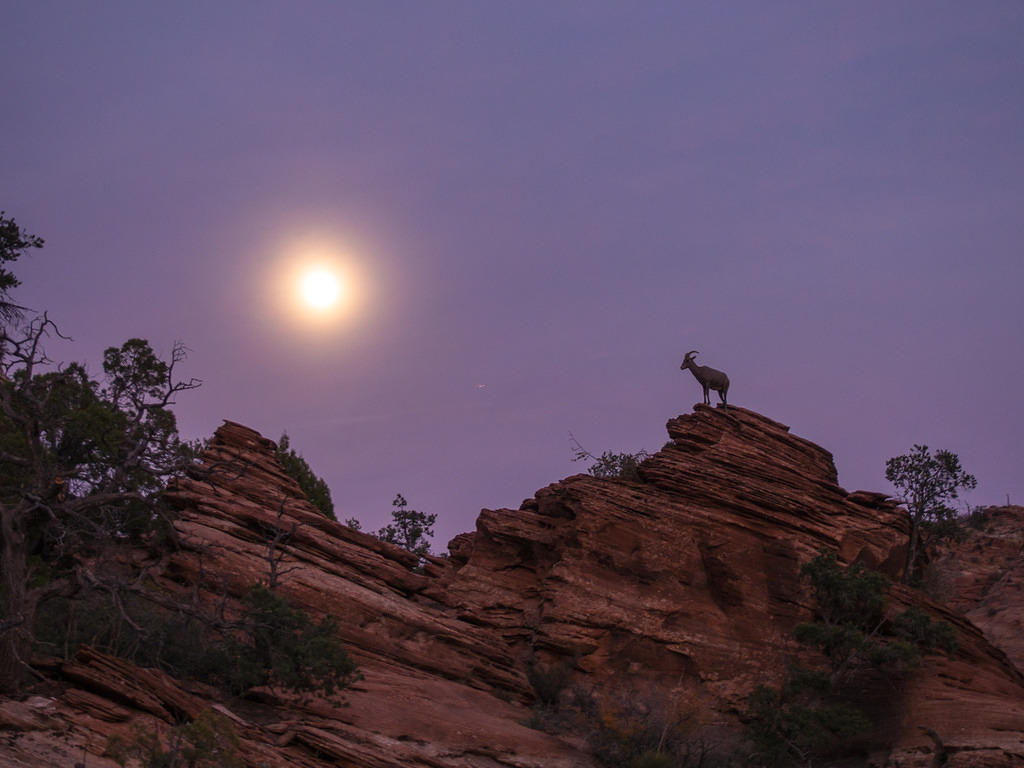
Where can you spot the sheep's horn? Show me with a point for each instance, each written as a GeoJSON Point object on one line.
{"type": "Point", "coordinates": [691, 352]}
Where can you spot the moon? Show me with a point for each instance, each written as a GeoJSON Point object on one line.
{"type": "Point", "coordinates": [320, 288]}
{"type": "Point", "coordinates": [318, 285]}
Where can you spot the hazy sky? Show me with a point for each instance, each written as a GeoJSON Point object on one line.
{"type": "Point", "coordinates": [542, 206]}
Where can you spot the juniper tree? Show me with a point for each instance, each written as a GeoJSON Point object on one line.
{"type": "Point", "coordinates": [927, 483]}
{"type": "Point", "coordinates": [82, 461]}
{"type": "Point", "coordinates": [408, 529]}
{"type": "Point", "coordinates": [813, 713]}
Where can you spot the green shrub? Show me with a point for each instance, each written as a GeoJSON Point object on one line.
{"type": "Point", "coordinates": [853, 596]}
{"type": "Point", "coordinates": [812, 714]}
{"type": "Point", "coordinates": [279, 644]}
{"type": "Point", "coordinates": [209, 741]}
{"type": "Point", "coordinates": [618, 465]}
{"type": "Point", "coordinates": [315, 488]}
{"type": "Point", "coordinates": [796, 723]}
{"type": "Point", "coordinates": [852, 629]}
{"type": "Point", "coordinates": [623, 466]}
{"type": "Point", "coordinates": [274, 642]}
{"type": "Point", "coordinates": [548, 681]}
{"type": "Point", "coordinates": [919, 629]}
{"type": "Point", "coordinates": [133, 628]}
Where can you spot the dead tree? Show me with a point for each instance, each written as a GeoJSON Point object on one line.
{"type": "Point", "coordinates": [276, 537]}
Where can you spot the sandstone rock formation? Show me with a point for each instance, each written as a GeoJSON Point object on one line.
{"type": "Point", "coordinates": [682, 587]}
{"type": "Point", "coordinates": [982, 576]}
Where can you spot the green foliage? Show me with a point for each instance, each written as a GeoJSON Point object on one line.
{"type": "Point", "coordinates": [853, 596]}
{"type": "Point", "coordinates": [916, 628]}
{"type": "Point", "coordinates": [408, 529]}
{"type": "Point", "coordinates": [115, 435]}
{"type": "Point", "coordinates": [927, 482]}
{"type": "Point", "coordinates": [83, 464]}
{"type": "Point", "coordinates": [279, 644]}
{"type": "Point", "coordinates": [811, 714]}
{"type": "Point", "coordinates": [271, 643]}
{"type": "Point", "coordinates": [792, 725]}
{"type": "Point", "coordinates": [852, 629]}
{"type": "Point", "coordinates": [850, 610]}
{"type": "Point", "coordinates": [209, 741]}
{"type": "Point", "coordinates": [112, 440]}
{"type": "Point", "coordinates": [14, 242]}
{"type": "Point", "coordinates": [618, 465]}
{"type": "Point", "coordinates": [314, 487]}
{"type": "Point", "coordinates": [131, 627]}
{"type": "Point", "coordinates": [610, 465]}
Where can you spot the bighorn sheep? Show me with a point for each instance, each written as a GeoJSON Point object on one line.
{"type": "Point", "coordinates": [709, 378]}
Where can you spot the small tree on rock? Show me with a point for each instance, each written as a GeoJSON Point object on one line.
{"type": "Point", "coordinates": [277, 643]}
{"type": "Point", "coordinates": [609, 464]}
{"type": "Point", "coordinates": [927, 483]}
{"type": "Point", "coordinates": [409, 529]}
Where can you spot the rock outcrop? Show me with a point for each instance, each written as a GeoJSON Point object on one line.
{"type": "Point", "coordinates": [982, 577]}
{"type": "Point", "coordinates": [681, 586]}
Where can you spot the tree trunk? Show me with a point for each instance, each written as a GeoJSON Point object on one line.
{"type": "Point", "coordinates": [18, 602]}
{"type": "Point", "coordinates": [915, 538]}
{"type": "Point", "coordinates": [15, 653]}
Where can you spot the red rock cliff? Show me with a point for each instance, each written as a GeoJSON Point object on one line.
{"type": "Point", "coordinates": [683, 584]}
{"type": "Point", "coordinates": [982, 576]}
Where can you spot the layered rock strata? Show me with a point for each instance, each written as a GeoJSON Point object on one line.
{"type": "Point", "coordinates": [681, 587]}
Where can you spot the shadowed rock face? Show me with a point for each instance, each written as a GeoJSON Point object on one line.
{"type": "Point", "coordinates": [682, 587]}
{"type": "Point", "coordinates": [982, 576]}
{"type": "Point", "coordinates": [691, 574]}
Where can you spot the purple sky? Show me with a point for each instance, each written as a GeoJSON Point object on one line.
{"type": "Point", "coordinates": [555, 200]}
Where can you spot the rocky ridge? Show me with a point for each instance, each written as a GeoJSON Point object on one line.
{"type": "Point", "coordinates": [682, 586]}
